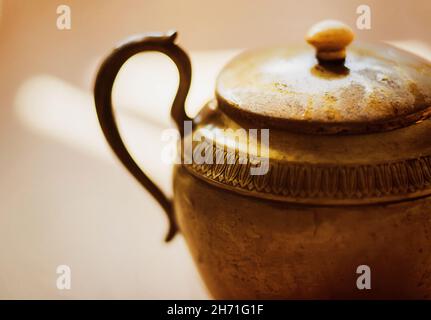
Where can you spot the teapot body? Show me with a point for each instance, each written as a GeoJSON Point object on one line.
{"type": "Point", "coordinates": [247, 247]}
{"type": "Point", "coordinates": [306, 177]}
{"type": "Point", "coordinates": [258, 249]}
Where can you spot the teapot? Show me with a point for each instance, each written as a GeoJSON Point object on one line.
{"type": "Point", "coordinates": [307, 176]}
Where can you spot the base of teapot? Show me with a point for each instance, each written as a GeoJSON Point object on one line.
{"type": "Point", "coordinates": [248, 248]}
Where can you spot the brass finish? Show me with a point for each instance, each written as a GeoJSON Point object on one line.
{"type": "Point", "coordinates": [106, 75]}
{"type": "Point", "coordinates": [349, 177]}
{"type": "Point", "coordinates": [378, 88]}
{"type": "Point", "coordinates": [248, 248]}
{"type": "Point", "coordinates": [317, 169]}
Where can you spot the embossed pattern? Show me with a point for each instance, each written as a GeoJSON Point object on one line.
{"type": "Point", "coordinates": [302, 180]}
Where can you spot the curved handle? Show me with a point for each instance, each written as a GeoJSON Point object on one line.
{"type": "Point", "coordinates": [103, 99]}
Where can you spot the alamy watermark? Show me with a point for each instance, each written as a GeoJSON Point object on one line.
{"type": "Point", "coordinates": [64, 278]}
{"type": "Point", "coordinates": [364, 280]}
{"type": "Point", "coordinates": [64, 17]}
{"type": "Point", "coordinates": [219, 146]}
{"type": "Point", "coordinates": [363, 21]}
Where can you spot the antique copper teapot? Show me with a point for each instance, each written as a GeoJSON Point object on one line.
{"type": "Point", "coordinates": [346, 179]}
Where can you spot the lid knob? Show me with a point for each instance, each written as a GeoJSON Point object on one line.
{"type": "Point", "coordinates": [330, 38]}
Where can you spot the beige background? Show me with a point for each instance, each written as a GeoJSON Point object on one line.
{"type": "Point", "coordinates": [64, 199]}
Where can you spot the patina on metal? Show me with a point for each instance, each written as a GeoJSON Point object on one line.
{"type": "Point", "coordinates": [320, 169]}
{"type": "Point", "coordinates": [349, 177]}
{"type": "Point", "coordinates": [376, 88]}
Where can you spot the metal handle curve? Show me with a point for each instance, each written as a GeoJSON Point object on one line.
{"type": "Point", "coordinates": [105, 79]}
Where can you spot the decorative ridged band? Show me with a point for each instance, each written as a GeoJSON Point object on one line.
{"type": "Point", "coordinates": [309, 181]}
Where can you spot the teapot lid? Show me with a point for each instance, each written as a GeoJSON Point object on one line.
{"type": "Point", "coordinates": [365, 88]}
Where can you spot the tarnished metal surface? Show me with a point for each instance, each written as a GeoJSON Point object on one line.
{"type": "Point", "coordinates": [317, 169]}
{"type": "Point", "coordinates": [378, 88]}
{"type": "Point", "coordinates": [246, 248]}
{"type": "Point", "coordinates": [329, 202]}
